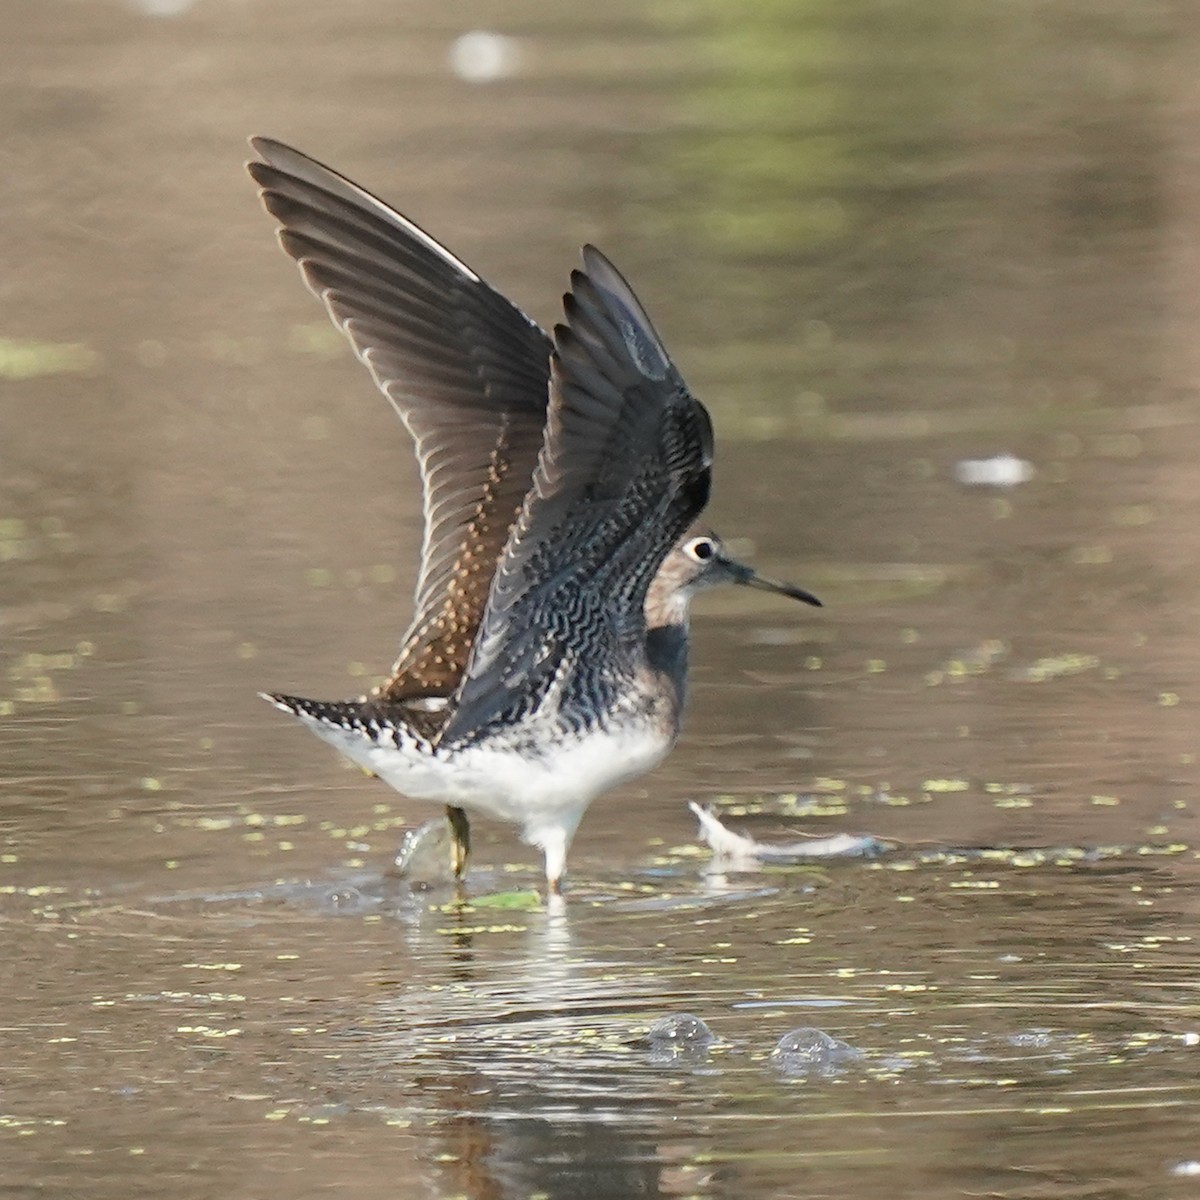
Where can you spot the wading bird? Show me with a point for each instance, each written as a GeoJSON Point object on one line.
{"type": "Point", "coordinates": [562, 479]}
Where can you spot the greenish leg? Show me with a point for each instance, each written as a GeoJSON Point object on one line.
{"type": "Point", "coordinates": [460, 847]}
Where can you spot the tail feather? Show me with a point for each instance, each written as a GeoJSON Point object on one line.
{"type": "Point", "coordinates": [379, 722]}
{"type": "Point", "coordinates": [345, 714]}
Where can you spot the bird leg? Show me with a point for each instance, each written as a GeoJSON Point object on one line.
{"type": "Point", "coordinates": [554, 843]}
{"type": "Point", "coordinates": [460, 845]}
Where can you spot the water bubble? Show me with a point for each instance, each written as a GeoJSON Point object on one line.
{"type": "Point", "coordinates": [345, 899]}
{"type": "Point", "coordinates": [681, 1035]}
{"type": "Point", "coordinates": [809, 1051]}
{"type": "Point", "coordinates": [423, 858]}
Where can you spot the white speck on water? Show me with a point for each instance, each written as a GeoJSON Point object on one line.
{"type": "Point", "coordinates": [1191, 1038]}
{"type": "Point", "coordinates": [163, 8]}
{"type": "Point", "coordinates": [482, 56]}
{"type": "Point", "coordinates": [806, 1002]}
{"type": "Point", "coordinates": [1189, 1168]}
{"type": "Point", "coordinates": [1001, 470]}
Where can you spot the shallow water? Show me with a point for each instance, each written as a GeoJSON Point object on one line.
{"type": "Point", "coordinates": [879, 241]}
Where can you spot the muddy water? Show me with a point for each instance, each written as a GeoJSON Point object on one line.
{"type": "Point", "coordinates": [880, 242]}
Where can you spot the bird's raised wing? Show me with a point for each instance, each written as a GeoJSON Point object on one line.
{"type": "Point", "coordinates": [624, 471]}
{"type": "Point", "coordinates": [467, 372]}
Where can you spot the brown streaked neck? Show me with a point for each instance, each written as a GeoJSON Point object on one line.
{"type": "Point", "coordinates": [667, 599]}
{"type": "Point", "coordinates": [667, 633]}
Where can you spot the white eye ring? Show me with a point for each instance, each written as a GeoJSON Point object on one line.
{"type": "Point", "coordinates": [701, 549]}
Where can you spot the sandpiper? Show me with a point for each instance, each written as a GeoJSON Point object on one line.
{"type": "Point", "coordinates": [562, 480]}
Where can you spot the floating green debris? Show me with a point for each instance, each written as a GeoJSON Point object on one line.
{"type": "Point", "coordinates": [1032, 856]}
{"type": "Point", "coordinates": [211, 824]}
{"type": "Point", "coordinates": [33, 674]}
{"type": "Point", "coordinates": [26, 1124]}
{"type": "Point", "coordinates": [976, 660]}
{"type": "Point", "coordinates": [22, 359]}
{"type": "Point", "coordinates": [523, 900]}
{"type": "Point", "coordinates": [1056, 667]}
{"type": "Point", "coordinates": [819, 803]}
{"type": "Point", "coordinates": [946, 785]}
{"type": "Point", "coordinates": [826, 784]}
{"type": "Point", "coordinates": [39, 691]}
{"type": "Point", "coordinates": [674, 853]}
{"type": "Point", "coordinates": [895, 801]}
{"type": "Point", "coordinates": [253, 819]}
{"type": "Point", "coordinates": [472, 930]}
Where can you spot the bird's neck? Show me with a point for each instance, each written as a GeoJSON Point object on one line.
{"type": "Point", "coordinates": [666, 656]}
{"type": "Point", "coordinates": [666, 603]}
{"type": "Point", "coordinates": [667, 634]}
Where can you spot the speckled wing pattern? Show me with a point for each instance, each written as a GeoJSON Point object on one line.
{"type": "Point", "coordinates": [624, 471]}
{"type": "Point", "coordinates": [467, 372]}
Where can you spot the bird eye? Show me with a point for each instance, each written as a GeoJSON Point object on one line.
{"type": "Point", "coordinates": [701, 548]}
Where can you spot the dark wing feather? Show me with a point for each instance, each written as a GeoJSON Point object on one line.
{"type": "Point", "coordinates": [624, 472]}
{"type": "Point", "coordinates": [467, 372]}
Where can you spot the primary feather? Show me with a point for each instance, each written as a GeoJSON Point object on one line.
{"type": "Point", "coordinates": [467, 372]}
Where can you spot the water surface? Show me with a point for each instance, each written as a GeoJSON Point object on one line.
{"type": "Point", "coordinates": [879, 240]}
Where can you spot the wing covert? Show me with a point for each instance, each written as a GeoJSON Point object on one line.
{"type": "Point", "coordinates": [466, 371]}
{"type": "Point", "coordinates": [624, 471]}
